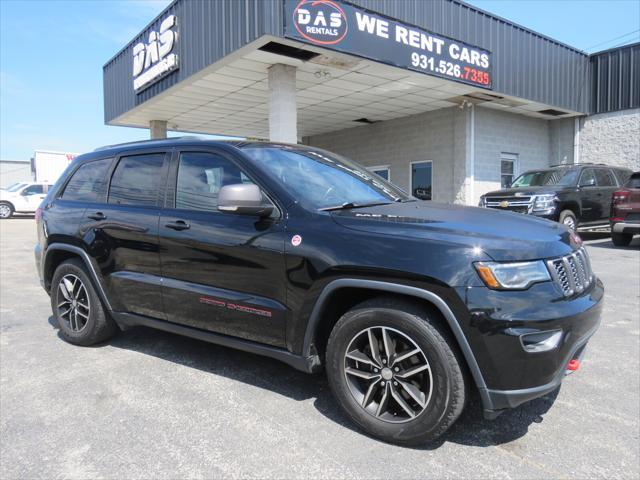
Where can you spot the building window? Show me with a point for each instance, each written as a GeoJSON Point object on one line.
{"type": "Point", "coordinates": [382, 171]}
{"type": "Point", "coordinates": [421, 180]}
{"type": "Point", "coordinates": [508, 164]}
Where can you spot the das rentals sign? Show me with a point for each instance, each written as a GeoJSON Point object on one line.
{"type": "Point", "coordinates": [154, 59]}
{"type": "Point", "coordinates": [350, 29]}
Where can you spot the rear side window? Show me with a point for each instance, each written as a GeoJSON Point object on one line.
{"type": "Point", "coordinates": [89, 182]}
{"type": "Point", "coordinates": [605, 178]}
{"type": "Point", "coordinates": [137, 180]}
{"type": "Point", "coordinates": [200, 178]}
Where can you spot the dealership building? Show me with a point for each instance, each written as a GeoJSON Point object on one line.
{"type": "Point", "coordinates": [444, 99]}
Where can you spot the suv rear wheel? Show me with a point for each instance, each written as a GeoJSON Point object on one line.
{"type": "Point", "coordinates": [621, 239]}
{"type": "Point", "coordinates": [77, 307]}
{"type": "Point", "coordinates": [394, 372]}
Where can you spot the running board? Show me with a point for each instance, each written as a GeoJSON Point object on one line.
{"type": "Point", "coordinates": [306, 364]}
{"type": "Point", "coordinates": [587, 228]}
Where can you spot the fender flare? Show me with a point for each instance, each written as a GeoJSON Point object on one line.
{"type": "Point", "coordinates": [431, 297]}
{"type": "Point", "coordinates": [88, 263]}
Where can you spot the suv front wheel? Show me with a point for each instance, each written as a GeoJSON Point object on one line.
{"type": "Point", "coordinates": [6, 210]}
{"type": "Point", "coordinates": [394, 372]}
{"type": "Point", "coordinates": [77, 306]}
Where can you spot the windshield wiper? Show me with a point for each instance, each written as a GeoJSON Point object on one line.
{"type": "Point", "coordinates": [351, 205]}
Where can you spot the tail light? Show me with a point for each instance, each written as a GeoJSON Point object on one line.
{"type": "Point", "coordinates": [621, 196]}
{"type": "Point", "coordinates": [38, 214]}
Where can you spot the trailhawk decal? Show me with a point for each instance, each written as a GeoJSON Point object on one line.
{"type": "Point", "coordinates": [235, 306]}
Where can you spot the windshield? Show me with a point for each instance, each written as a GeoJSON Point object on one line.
{"type": "Point", "coordinates": [560, 176]}
{"type": "Point", "coordinates": [15, 187]}
{"type": "Point", "coordinates": [319, 179]}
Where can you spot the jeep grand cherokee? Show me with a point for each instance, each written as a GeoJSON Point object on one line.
{"type": "Point", "coordinates": [304, 256]}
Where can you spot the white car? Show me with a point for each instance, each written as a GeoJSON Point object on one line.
{"type": "Point", "coordinates": [22, 197]}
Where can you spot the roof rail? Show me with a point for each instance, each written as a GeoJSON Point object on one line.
{"type": "Point", "coordinates": [576, 164]}
{"type": "Point", "coordinates": [147, 142]}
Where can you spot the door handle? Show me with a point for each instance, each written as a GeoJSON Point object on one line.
{"type": "Point", "coordinates": [178, 225]}
{"type": "Point", "coordinates": [97, 216]}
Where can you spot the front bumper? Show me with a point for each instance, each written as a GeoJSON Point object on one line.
{"type": "Point", "coordinates": [499, 319]}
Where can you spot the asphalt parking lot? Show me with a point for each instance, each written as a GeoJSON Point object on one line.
{"type": "Point", "coordinates": [153, 405]}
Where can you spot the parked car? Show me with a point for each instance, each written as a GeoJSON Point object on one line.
{"type": "Point", "coordinates": [625, 212]}
{"type": "Point", "coordinates": [577, 195]}
{"type": "Point", "coordinates": [301, 255]}
{"type": "Point", "coordinates": [22, 197]}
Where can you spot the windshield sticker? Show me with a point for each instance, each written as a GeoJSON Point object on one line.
{"type": "Point", "coordinates": [296, 240]}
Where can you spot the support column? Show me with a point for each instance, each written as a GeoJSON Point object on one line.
{"type": "Point", "coordinates": [464, 155]}
{"type": "Point", "coordinates": [158, 129]}
{"type": "Point", "coordinates": [283, 113]}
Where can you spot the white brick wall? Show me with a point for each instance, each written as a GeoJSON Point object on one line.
{"type": "Point", "coordinates": [498, 132]}
{"type": "Point", "coordinates": [611, 138]}
{"type": "Point", "coordinates": [427, 136]}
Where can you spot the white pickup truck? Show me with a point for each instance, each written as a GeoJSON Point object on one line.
{"type": "Point", "coordinates": [22, 197]}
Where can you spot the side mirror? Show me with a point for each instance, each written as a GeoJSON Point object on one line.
{"type": "Point", "coordinates": [244, 199]}
{"type": "Point", "coordinates": [588, 183]}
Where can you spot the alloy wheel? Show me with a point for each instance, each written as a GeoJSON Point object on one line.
{"type": "Point", "coordinates": [5, 211]}
{"type": "Point", "coordinates": [388, 374]}
{"type": "Point", "coordinates": [75, 307]}
{"type": "Point", "coordinates": [569, 222]}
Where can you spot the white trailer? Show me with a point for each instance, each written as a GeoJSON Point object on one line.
{"type": "Point", "coordinates": [47, 166]}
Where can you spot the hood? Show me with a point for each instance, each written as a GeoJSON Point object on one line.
{"type": "Point", "coordinates": [524, 191]}
{"type": "Point", "coordinates": [504, 236]}
{"type": "Point", "coordinates": [5, 195]}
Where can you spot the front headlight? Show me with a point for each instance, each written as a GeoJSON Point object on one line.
{"type": "Point", "coordinates": [544, 202]}
{"type": "Point", "coordinates": [512, 276]}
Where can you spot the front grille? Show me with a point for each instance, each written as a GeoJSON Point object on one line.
{"type": "Point", "coordinates": [572, 273]}
{"type": "Point", "coordinates": [511, 204]}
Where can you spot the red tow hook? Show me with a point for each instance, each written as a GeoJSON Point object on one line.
{"type": "Point", "coordinates": [573, 365]}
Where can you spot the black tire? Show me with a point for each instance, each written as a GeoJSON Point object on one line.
{"type": "Point", "coordinates": [448, 393]}
{"type": "Point", "coordinates": [98, 326]}
{"type": "Point", "coordinates": [6, 211]}
{"type": "Point", "coordinates": [568, 219]}
{"type": "Point", "coordinates": [621, 239]}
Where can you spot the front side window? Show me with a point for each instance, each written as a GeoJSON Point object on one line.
{"type": "Point", "coordinates": [137, 180]}
{"type": "Point", "coordinates": [89, 182]}
{"type": "Point", "coordinates": [421, 181]}
{"type": "Point", "coordinates": [33, 190]}
{"type": "Point", "coordinates": [201, 176]}
{"type": "Point", "coordinates": [588, 178]}
{"type": "Point", "coordinates": [319, 179]}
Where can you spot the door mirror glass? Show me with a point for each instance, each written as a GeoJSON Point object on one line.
{"type": "Point", "coordinates": [244, 199]}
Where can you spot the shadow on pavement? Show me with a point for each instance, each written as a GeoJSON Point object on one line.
{"type": "Point", "coordinates": [471, 429]}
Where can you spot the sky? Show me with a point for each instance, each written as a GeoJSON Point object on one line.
{"type": "Point", "coordinates": [52, 53]}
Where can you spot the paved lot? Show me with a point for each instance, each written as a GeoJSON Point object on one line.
{"type": "Point", "coordinates": [149, 404]}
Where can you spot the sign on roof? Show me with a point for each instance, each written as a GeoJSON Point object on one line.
{"type": "Point", "coordinates": [155, 59]}
{"type": "Point", "coordinates": [349, 29]}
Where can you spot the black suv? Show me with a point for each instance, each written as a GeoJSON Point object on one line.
{"type": "Point", "coordinates": [577, 195]}
{"type": "Point", "coordinates": [304, 256]}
